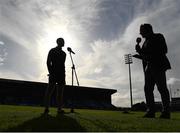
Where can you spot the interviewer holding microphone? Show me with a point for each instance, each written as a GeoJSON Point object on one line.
{"type": "Point", "coordinates": [155, 64]}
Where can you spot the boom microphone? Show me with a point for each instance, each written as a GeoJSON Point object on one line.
{"type": "Point", "coordinates": [70, 50]}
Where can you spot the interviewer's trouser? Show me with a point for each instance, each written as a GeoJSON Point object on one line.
{"type": "Point", "coordinates": [153, 77]}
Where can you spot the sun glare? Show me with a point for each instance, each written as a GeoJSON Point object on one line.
{"type": "Point", "coordinates": [52, 32]}
{"type": "Point", "coordinates": [48, 41]}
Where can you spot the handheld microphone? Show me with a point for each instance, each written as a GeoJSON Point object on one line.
{"type": "Point", "coordinates": [137, 47]}
{"type": "Point", "coordinates": [70, 50]}
{"type": "Point", "coordinates": [138, 40]}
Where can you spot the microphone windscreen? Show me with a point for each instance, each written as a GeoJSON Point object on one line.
{"type": "Point", "coordinates": [138, 40]}
{"type": "Point", "coordinates": [69, 49]}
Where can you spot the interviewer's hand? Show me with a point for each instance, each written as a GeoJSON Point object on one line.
{"type": "Point", "coordinates": [137, 56]}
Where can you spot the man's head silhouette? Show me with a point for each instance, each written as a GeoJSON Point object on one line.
{"type": "Point", "coordinates": [60, 42]}
{"type": "Point", "coordinates": [146, 30]}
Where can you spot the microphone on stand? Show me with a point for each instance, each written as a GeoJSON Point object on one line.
{"type": "Point", "coordinates": [70, 50]}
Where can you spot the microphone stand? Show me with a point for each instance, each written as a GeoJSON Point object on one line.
{"type": "Point", "coordinates": [73, 70]}
{"type": "Point", "coordinates": [73, 73]}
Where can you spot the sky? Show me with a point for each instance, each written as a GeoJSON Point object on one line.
{"type": "Point", "coordinates": [100, 32]}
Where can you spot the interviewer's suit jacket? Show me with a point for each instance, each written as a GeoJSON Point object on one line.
{"type": "Point", "coordinates": [154, 51]}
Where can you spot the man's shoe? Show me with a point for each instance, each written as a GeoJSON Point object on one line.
{"type": "Point", "coordinates": [59, 112]}
{"type": "Point", "coordinates": [46, 111]}
{"type": "Point", "coordinates": [149, 115]}
{"type": "Point", "coordinates": [165, 115]}
{"type": "Point", "coordinates": [72, 110]}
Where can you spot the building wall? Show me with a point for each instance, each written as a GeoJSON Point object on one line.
{"type": "Point", "coordinates": [32, 93]}
{"type": "Point", "coordinates": [175, 103]}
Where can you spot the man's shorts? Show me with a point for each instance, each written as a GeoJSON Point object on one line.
{"type": "Point", "coordinates": [57, 78]}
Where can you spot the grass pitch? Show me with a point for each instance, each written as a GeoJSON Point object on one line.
{"type": "Point", "coordinates": [26, 118]}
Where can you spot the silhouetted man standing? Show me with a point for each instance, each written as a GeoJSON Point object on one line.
{"type": "Point", "coordinates": [155, 64]}
{"type": "Point", "coordinates": [56, 67]}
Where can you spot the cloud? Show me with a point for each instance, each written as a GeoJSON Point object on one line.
{"type": "Point", "coordinates": [1, 43]}
{"type": "Point", "coordinates": [17, 59]}
{"type": "Point", "coordinates": [174, 85]}
{"type": "Point", "coordinates": [3, 53]}
{"type": "Point", "coordinates": [172, 80]}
